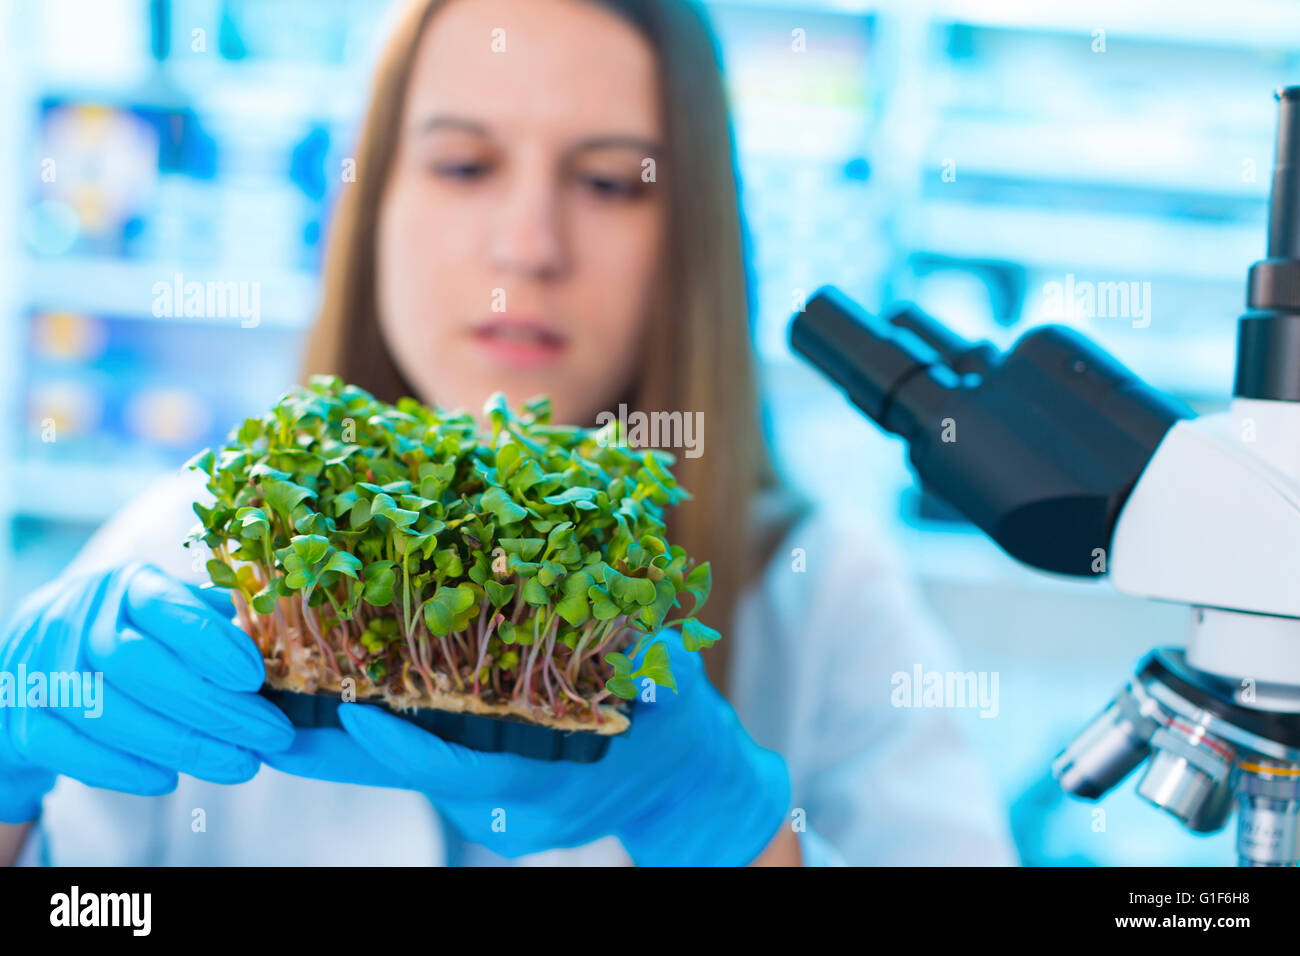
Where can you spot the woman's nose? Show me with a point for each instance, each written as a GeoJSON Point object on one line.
{"type": "Point", "coordinates": [528, 239]}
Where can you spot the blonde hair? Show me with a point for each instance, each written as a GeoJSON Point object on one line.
{"type": "Point", "coordinates": [701, 355]}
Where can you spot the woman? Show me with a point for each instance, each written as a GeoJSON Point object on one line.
{"type": "Point", "coordinates": [545, 202]}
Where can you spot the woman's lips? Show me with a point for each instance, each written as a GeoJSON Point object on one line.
{"type": "Point", "coordinates": [519, 342]}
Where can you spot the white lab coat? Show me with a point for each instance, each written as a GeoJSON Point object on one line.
{"type": "Point", "coordinates": [814, 653]}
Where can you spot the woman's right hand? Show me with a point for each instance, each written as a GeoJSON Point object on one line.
{"type": "Point", "coordinates": [173, 689]}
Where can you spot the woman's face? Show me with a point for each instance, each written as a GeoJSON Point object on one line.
{"type": "Point", "coordinates": [518, 244]}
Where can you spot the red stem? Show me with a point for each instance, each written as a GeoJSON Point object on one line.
{"type": "Point", "coordinates": [483, 646]}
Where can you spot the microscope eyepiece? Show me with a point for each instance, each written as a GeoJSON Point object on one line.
{"type": "Point", "coordinates": [1284, 202]}
{"type": "Point", "coordinates": [1268, 335]}
{"type": "Point", "coordinates": [867, 357]}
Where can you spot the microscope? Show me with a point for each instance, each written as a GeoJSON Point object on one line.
{"type": "Point", "coordinates": [1073, 465]}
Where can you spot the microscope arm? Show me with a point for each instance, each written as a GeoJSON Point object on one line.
{"type": "Point", "coordinates": [1211, 521]}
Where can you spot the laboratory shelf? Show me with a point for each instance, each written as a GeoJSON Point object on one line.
{"type": "Point", "coordinates": [121, 287]}
{"type": "Point", "coordinates": [1129, 246]}
{"type": "Point", "coordinates": [1257, 23]}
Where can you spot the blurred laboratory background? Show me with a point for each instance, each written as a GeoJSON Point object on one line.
{"type": "Point", "coordinates": [959, 154]}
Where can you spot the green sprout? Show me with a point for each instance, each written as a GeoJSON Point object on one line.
{"type": "Point", "coordinates": [522, 565]}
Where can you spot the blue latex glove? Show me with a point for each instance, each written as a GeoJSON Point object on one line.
{"type": "Point", "coordinates": [179, 684]}
{"type": "Point", "coordinates": [685, 785]}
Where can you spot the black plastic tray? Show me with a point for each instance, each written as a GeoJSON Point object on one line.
{"type": "Point", "coordinates": [506, 734]}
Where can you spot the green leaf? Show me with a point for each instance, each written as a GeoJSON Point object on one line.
{"type": "Point", "coordinates": [535, 594]}
{"type": "Point", "coordinates": [383, 506]}
{"type": "Point", "coordinates": [449, 610]}
{"type": "Point", "coordinates": [499, 594]}
{"type": "Point", "coordinates": [622, 666]}
{"type": "Point", "coordinates": [309, 522]}
{"type": "Point", "coordinates": [448, 562]}
{"type": "Point", "coordinates": [300, 580]}
{"type": "Point", "coordinates": [577, 583]}
{"type": "Point", "coordinates": [480, 571]}
{"type": "Point", "coordinates": [698, 584]}
{"type": "Point", "coordinates": [559, 536]}
{"type": "Point", "coordinates": [264, 600]}
{"type": "Point", "coordinates": [253, 522]}
{"type": "Point", "coordinates": [283, 496]}
{"type": "Point", "coordinates": [579, 497]}
{"type": "Point", "coordinates": [204, 461]}
{"type": "Point", "coordinates": [629, 592]}
{"type": "Point", "coordinates": [497, 502]}
{"type": "Point", "coordinates": [696, 635]}
{"type": "Point", "coordinates": [655, 665]}
{"type": "Point", "coordinates": [380, 578]}
{"type": "Point", "coordinates": [343, 563]}
{"type": "Point", "coordinates": [526, 548]}
{"type": "Point", "coordinates": [602, 608]}
{"type": "Point", "coordinates": [574, 608]}
{"type": "Point", "coordinates": [525, 569]}
{"type": "Point", "coordinates": [653, 614]}
{"type": "Point", "coordinates": [359, 515]}
{"type": "Point", "coordinates": [435, 478]}
{"type": "Point", "coordinates": [222, 574]}
{"type": "Point", "coordinates": [527, 475]}
{"type": "Point", "coordinates": [623, 687]}
{"type": "Point", "coordinates": [508, 456]}
{"type": "Point", "coordinates": [312, 548]}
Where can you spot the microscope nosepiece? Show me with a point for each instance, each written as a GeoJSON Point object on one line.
{"type": "Point", "coordinates": [1108, 749]}
{"type": "Point", "coordinates": [1189, 776]}
{"type": "Point", "coordinates": [1268, 801]}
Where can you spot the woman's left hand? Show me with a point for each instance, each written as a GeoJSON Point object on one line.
{"type": "Point", "coordinates": [685, 785]}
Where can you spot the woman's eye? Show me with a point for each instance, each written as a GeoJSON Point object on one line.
{"type": "Point", "coordinates": [469, 170]}
{"type": "Point", "coordinates": [611, 187]}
